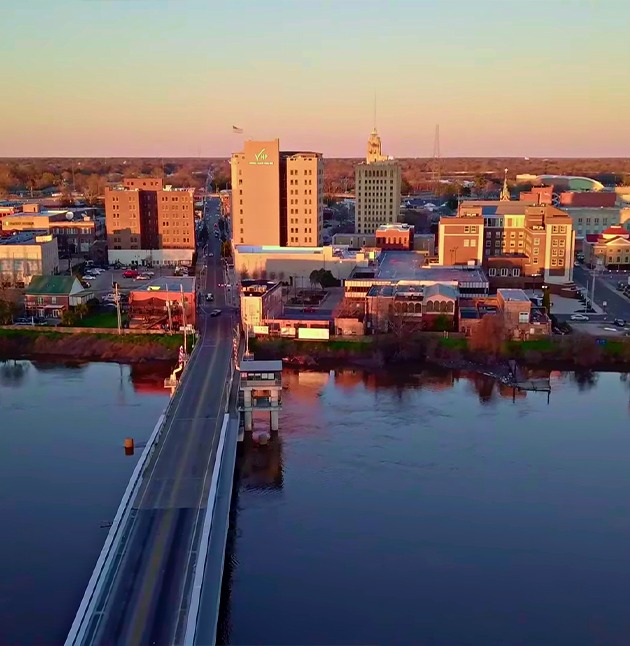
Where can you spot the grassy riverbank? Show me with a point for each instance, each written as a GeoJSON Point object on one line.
{"type": "Point", "coordinates": [572, 351]}
{"type": "Point", "coordinates": [127, 348]}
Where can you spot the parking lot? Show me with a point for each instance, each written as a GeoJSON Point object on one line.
{"type": "Point", "coordinates": [102, 284]}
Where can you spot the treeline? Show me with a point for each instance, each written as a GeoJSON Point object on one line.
{"type": "Point", "coordinates": [89, 176]}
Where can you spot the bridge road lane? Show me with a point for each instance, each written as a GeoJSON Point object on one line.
{"type": "Point", "coordinates": [148, 597]}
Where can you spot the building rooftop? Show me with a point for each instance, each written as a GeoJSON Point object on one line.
{"type": "Point", "coordinates": [19, 237]}
{"type": "Point", "coordinates": [260, 366]}
{"type": "Point", "coordinates": [408, 265]}
{"type": "Point", "coordinates": [513, 295]}
{"type": "Point", "coordinates": [51, 285]}
{"type": "Point", "coordinates": [397, 226]}
{"type": "Point", "coordinates": [438, 289]}
{"type": "Point", "coordinates": [167, 284]}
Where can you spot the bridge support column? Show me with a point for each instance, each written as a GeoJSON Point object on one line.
{"type": "Point", "coordinates": [249, 420]}
{"type": "Point", "coordinates": [274, 420]}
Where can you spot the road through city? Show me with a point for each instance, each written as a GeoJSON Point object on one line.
{"type": "Point", "coordinates": [146, 596]}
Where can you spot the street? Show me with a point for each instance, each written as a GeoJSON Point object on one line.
{"type": "Point", "coordinates": [616, 305]}
{"type": "Point", "coordinates": [145, 598]}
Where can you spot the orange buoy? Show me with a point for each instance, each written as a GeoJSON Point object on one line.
{"type": "Point", "coordinates": [129, 446]}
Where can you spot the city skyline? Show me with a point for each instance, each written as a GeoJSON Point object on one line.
{"type": "Point", "coordinates": [500, 80]}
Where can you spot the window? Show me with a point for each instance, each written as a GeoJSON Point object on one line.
{"type": "Point", "coordinates": [466, 242]}
{"type": "Point", "coordinates": [473, 243]}
{"type": "Point", "coordinates": [504, 271]}
{"type": "Point", "coordinates": [492, 271]}
{"type": "Point", "coordinates": [516, 272]}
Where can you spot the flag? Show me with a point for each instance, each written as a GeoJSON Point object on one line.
{"type": "Point", "coordinates": [236, 130]}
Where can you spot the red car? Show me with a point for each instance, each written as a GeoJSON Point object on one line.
{"type": "Point", "coordinates": [130, 273]}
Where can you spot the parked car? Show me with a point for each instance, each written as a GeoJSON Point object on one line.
{"type": "Point", "coordinates": [130, 273]}
{"type": "Point", "coordinates": [215, 312]}
{"type": "Point", "coordinates": [579, 317]}
{"type": "Point", "coordinates": [620, 322]}
{"type": "Point", "coordinates": [143, 277]}
{"type": "Point", "coordinates": [23, 321]}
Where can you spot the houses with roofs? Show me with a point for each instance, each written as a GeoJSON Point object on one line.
{"type": "Point", "coordinates": [609, 249]}
{"type": "Point", "coordinates": [49, 296]}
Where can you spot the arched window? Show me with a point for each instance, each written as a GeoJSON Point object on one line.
{"type": "Point", "coordinates": [450, 307]}
{"type": "Point", "coordinates": [429, 306]}
{"type": "Point", "coordinates": [443, 306]}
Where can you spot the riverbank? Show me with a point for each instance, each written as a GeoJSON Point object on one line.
{"type": "Point", "coordinates": [573, 352]}
{"type": "Point", "coordinates": [129, 348]}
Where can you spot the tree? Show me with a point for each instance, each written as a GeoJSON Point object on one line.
{"type": "Point", "coordinates": [314, 278]}
{"type": "Point", "coordinates": [546, 301]}
{"type": "Point", "coordinates": [8, 310]}
{"type": "Point", "coordinates": [68, 318]}
{"type": "Point", "coordinates": [81, 310]}
{"type": "Point", "coordinates": [442, 323]}
{"type": "Point", "coordinates": [489, 335]}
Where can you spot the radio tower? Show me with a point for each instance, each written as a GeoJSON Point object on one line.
{"type": "Point", "coordinates": [436, 169]}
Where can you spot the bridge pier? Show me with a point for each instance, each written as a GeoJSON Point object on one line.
{"type": "Point", "coordinates": [260, 389]}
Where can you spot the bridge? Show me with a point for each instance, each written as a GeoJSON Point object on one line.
{"type": "Point", "coordinates": [158, 577]}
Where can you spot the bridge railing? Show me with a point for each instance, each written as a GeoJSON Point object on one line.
{"type": "Point", "coordinates": [202, 558]}
{"type": "Point", "coordinates": [114, 536]}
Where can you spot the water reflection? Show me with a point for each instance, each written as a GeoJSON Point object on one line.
{"type": "Point", "coordinates": [259, 469]}
{"type": "Point", "coordinates": [62, 475]}
{"type": "Point", "coordinates": [12, 373]}
{"type": "Point", "coordinates": [434, 507]}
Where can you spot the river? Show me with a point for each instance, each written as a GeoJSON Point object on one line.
{"type": "Point", "coordinates": [431, 508]}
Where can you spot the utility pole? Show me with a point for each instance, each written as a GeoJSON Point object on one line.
{"type": "Point", "coordinates": [170, 317]}
{"type": "Point", "coordinates": [184, 317]}
{"type": "Point", "coordinates": [118, 314]}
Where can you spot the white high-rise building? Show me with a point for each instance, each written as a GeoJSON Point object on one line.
{"type": "Point", "coordinates": [377, 189]}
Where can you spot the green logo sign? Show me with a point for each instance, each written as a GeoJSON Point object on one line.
{"type": "Point", "coordinates": [260, 159]}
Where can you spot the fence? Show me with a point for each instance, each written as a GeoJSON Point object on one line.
{"type": "Point", "coordinates": [83, 330]}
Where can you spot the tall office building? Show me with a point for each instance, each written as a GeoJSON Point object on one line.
{"type": "Point", "coordinates": [149, 223]}
{"type": "Point", "coordinates": [377, 189]}
{"type": "Point", "coordinates": [277, 196]}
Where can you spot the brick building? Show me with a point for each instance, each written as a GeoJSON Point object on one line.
{"type": "Point", "coordinates": [149, 223]}
{"type": "Point", "coordinates": [520, 244]}
{"type": "Point", "coordinates": [398, 237]}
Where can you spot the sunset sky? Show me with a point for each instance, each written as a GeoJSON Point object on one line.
{"type": "Point", "coordinates": [170, 78]}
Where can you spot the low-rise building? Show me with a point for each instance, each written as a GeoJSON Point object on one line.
{"type": "Point", "coordinates": [49, 296]}
{"type": "Point", "coordinates": [24, 255]}
{"type": "Point", "coordinates": [520, 318]}
{"type": "Point", "coordinates": [592, 220]}
{"type": "Point", "coordinates": [405, 308]}
{"type": "Point", "coordinates": [395, 237]}
{"type": "Point", "coordinates": [289, 264]}
{"type": "Point", "coordinates": [261, 300]}
{"type": "Point", "coordinates": [168, 302]}
{"type": "Point", "coordinates": [76, 229]}
{"type": "Point", "coordinates": [609, 249]}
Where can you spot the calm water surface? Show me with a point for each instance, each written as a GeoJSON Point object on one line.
{"type": "Point", "coordinates": [62, 474]}
{"type": "Point", "coordinates": [436, 511]}
{"type": "Point", "coordinates": [429, 509]}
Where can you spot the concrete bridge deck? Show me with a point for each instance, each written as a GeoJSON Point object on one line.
{"type": "Point", "coordinates": [141, 588]}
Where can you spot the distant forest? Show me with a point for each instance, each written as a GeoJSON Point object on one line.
{"type": "Point", "coordinates": [90, 176]}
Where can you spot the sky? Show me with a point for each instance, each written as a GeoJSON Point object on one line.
{"type": "Point", "coordinates": [169, 78]}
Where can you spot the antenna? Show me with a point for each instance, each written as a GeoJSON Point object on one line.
{"type": "Point", "coordinates": [374, 120]}
{"type": "Point", "coordinates": [436, 170]}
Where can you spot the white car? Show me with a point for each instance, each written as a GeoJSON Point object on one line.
{"type": "Point", "coordinates": [143, 277]}
{"type": "Point", "coordinates": [579, 317]}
